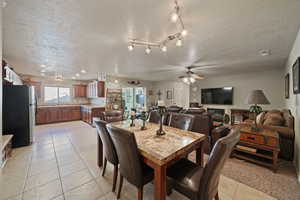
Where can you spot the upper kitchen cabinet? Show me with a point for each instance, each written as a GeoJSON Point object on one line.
{"type": "Point", "coordinates": [80, 90]}
{"type": "Point", "coordinates": [96, 89]}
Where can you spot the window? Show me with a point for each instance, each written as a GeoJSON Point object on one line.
{"type": "Point", "coordinates": [56, 95]}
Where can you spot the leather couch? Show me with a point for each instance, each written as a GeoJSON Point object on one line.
{"type": "Point", "coordinates": [282, 122]}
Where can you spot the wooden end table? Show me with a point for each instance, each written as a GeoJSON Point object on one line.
{"type": "Point", "coordinates": [261, 147]}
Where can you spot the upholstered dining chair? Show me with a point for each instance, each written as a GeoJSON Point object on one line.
{"type": "Point", "coordinates": [131, 166]}
{"type": "Point", "coordinates": [198, 183]}
{"type": "Point", "coordinates": [113, 116]}
{"type": "Point", "coordinates": [109, 150]}
{"type": "Point", "coordinates": [181, 121]}
{"type": "Point", "coordinates": [154, 117]}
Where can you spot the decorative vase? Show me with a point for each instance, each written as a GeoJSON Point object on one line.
{"type": "Point", "coordinates": [144, 117]}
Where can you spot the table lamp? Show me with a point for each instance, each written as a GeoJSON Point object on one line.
{"type": "Point", "coordinates": [254, 98]}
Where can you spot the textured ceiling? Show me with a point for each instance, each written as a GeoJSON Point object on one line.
{"type": "Point", "coordinates": [70, 35]}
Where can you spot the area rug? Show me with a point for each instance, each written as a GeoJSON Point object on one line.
{"type": "Point", "coordinates": [282, 185]}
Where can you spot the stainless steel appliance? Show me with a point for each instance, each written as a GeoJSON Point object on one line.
{"type": "Point", "coordinates": [19, 108]}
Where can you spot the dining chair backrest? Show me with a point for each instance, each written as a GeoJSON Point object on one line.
{"type": "Point", "coordinates": [108, 146]}
{"type": "Point", "coordinates": [128, 154]}
{"type": "Point", "coordinates": [113, 115]}
{"type": "Point", "coordinates": [181, 121]}
{"type": "Point", "coordinates": [154, 117]}
{"type": "Point", "coordinates": [221, 151]}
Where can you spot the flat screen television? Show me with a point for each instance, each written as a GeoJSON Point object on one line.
{"type": "Point", "coordinates": [222, 96]}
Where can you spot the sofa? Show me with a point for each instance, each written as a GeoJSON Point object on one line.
{"type": "Point", "coordinates": [282, 122]}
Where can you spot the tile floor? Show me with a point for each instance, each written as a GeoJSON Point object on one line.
{"type": "Point", "coordinates": [62, 164]}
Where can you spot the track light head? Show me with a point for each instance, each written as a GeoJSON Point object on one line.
{"type": "Point", "coordinates": [174, 17]}
{"type": "Point", "coordinates": [184, 32]}
{"type": "Point", "coordinates": [130, 47]}
{"type": "Point", "coordinates": [164, 48]}
{"type": "Point", "coordinates": [148, 50]}
{"type": "Point", "coordinates": [179, 42]}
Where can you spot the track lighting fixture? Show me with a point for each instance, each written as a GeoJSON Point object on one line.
{"type": "Point", "coordinates": [148, 50]}
{"type": "Point", "coordinates": [176, 18]}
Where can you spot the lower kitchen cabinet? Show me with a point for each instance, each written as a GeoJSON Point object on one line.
{"type": "Point", "coordinates": [88, 112]}
{"type": "Point", "coordinates": [51, 114]}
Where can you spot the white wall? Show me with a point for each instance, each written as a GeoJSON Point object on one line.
{"type": "Point", "coordinates": [293, 103]}
{"type": "Point", "coordinates": [271, 82]}
{"type": "Point", "coordinates": [181, 92]}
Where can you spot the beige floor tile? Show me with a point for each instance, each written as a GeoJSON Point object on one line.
{"type": "Point", "coordinates": [11, 188]}
{"type": "Point", "coordinates": [89, 190]}
{"type": "Point", "coordinates": [245, 192]}
{"type": "Point", "coordinates": [71, 168]}
{"type": "Point", "coordinates": [76, 179]}
{"type": "Point", "coordinates": [41, 179]}
{"type": "Point", "coordinates": [42, 167]}
{"type": "Point", "coordinates": [45, 192]}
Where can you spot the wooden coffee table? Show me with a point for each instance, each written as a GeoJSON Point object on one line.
{"type": "Point", "coordinates": [261, 147]}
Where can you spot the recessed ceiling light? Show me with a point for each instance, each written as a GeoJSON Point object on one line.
{"type": "Point", "coordinates": [83, 71]}
{"type": "Point", "coordinates": [77, 74]}
{"type": "Point", "coordinates": [265, 52]}
{"type": "Point", "coordinates": [43, 71]}
{"type": "Point", "coordinates": [4, 4]}
{"type": "Point", "coordinates": [43, 66]}
{"type": "Point", "coordinates": [73, 77]}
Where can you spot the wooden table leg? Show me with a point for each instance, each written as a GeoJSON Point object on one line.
{"type": "Point", "coordinates": [160, 178]}
{"type": "Point", "coordinates": [275, 161]}
{"type": "Point", "coordinates": [200, 154]}
{"type": "Point", "coordinates": [100, 151]}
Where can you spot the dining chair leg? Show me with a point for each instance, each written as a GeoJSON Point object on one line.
{"type": "Point", "coordinates": [217, 196]}
{"type": "Point", "coordinates": [140, 193]}
{"type": "Point", "coordinates": [104, 166]}
{"type": "Point", "coordinates": [115, 178]}
{"type": "Point", "coordinates": [120, 186]}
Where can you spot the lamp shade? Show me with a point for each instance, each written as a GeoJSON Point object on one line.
{"type": "Point", "coordinates": [257, 97]}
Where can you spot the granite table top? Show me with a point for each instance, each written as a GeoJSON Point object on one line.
{"type": "Point", "coordinates": [162, 149]}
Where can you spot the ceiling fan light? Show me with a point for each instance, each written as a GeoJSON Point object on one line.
{"type": "Point", "coordinates": [148, 50]}
{"type": "Point", "coordinates": [179, 43]}
{"type": "Point", "coordinates": [185, 79]}
{"type": "Point", "coordinates": [192, 80]}
{"type": "Point", "coordinates": [184, 32]}
{"type": "Point", "coordinates": [77, 74]}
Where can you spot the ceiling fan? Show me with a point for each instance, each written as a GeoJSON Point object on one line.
{"type": "Point", "coordinates": [190, 76]}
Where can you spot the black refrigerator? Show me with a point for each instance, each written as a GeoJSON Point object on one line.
{"type": "Point", "coordinates": [18, 116]}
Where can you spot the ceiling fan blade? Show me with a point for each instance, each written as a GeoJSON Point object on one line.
{"type": "Point", "coordinates": [197, 76]}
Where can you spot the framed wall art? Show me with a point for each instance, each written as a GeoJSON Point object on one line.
{"type": "Point", "coordinates": [296, 75]}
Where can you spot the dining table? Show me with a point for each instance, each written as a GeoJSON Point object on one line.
{"type": "Point", "coordinates": [161, 151]}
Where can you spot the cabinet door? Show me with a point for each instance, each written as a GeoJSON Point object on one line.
{"type": "Point", "coordinates": [79, 91]}
{"type": "Point", "coordinates": [76, 114]}
{"type": "Point", "coordinates": [53, 115]}
{"type": "Point", "coordinates": [66, 114]}
{"type": "Point", "coordinates": [101, 89]}
{"type": "Point", "coordinates": [41, 116]}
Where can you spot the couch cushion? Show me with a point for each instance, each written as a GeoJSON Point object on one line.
{"type": "Point", "coordinates": [273, 119]}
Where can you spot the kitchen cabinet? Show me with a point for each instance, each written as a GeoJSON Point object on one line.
{"type": "Point", "coordinates": [51, 114]}
{"type": "Point", "coordinates": [88, 112]}
{"type": "Point", "coordinates": [80, 90]}
{"type": "Point", "coordinates": [96, 89]}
